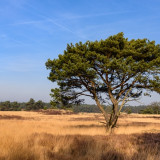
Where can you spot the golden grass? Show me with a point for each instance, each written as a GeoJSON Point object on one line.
{"type": "Point", "coordinates": [35, 135]}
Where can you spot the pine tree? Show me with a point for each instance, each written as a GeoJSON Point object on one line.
{"type": "Point", "coordinates": [115, 69]}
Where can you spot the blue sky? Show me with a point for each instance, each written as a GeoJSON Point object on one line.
{"type": "Point", "coordinates": [31, 31]}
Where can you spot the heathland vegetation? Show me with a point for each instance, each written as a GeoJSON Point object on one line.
{"type": "Point", "coordinates": [62, 135]}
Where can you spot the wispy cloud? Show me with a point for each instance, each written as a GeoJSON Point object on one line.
{"type": "Point", "coordinates": [74, 16]}
{"type": "Point", "coordinates": [16, 3]}
{"type": "Point", "coordinates": [28, 22]}
{"type": "Point", "coordinates": [9, 41]}
{"type": "Point", "coordinates": [64, 28]}
{"type": "Point", "coordinates": [59, 25]}
{"type": "Point", "coordinates": [142, 33]}
{"type": "Point", "coordinates": [45, 20]}
{"type": "Point", "coordinates": [46, 24]}
{"type": "Point", "coordinates": [3, 36]}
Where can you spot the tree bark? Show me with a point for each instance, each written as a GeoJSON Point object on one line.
{"type": "Point", "coordinates": [112, 121]}
{"type": "Point", "coordinates": [102, 110]}
{"type": "Point", "coordinates": [113, 117]}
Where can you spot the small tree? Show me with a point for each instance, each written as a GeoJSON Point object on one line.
{"type": "Point", "coordinates": [113, 69]}
{"type": "Point", "coordinates": [59, 100]}
{"type": "Point", "coordinates": [156, 107]}
{"type": "Point", "coordinates": [38, 105]}
{"type": "Point", "coordinates": [147, 110]}
{"type": "Point", "coordinates": [30, 104]}
{"type": "Point", "coordinates": [6, 106]}
{"type": "Point", "coordinates": [15, 106]}
{"type": "Point", "coordinates": [153, 108]}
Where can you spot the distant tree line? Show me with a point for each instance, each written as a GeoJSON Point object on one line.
{"type": "Point", "coordinates": [30, 105]}
{"type": "Point", "coordinates": [153, 108]}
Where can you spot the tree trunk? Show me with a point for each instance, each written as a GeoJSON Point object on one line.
{"type": "Point", "coordinates": [113, 118]}
{"type": "Point", "coordinates": [112, 121]}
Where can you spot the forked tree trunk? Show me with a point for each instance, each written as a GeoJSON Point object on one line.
{"type": "Point", "coordinates": [111, 121]}
{"type": "Point", "coordinates": [113, 118]}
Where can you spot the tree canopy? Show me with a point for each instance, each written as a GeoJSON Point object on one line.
{"type": "Point", "coordinates": [114, 69]}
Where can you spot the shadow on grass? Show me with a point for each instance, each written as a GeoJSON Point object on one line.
{"type": "Point", "coordinates": [84, 147]}
{"type": "Point", "coordinates": [113, 147]}
{"type": "Point", "coordinates": [148, 146]}
{"type": "Point", "coordinates": [138, 124]}
{"type": "Point", "coordinates": [87, 126]}
{"type": "Point", "coordinates": [87, 119]}
{"type": "Point", "coordinates": [10, 117]}
{"type": "Point", "coordinates": [101, 125]}
{"type": "Point", "coordinates": [145, 116]}
{"type": "Point", "coordinates": [54, 112]}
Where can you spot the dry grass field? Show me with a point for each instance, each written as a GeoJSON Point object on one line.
{"type": "Point", "coordinates": [55, 135]}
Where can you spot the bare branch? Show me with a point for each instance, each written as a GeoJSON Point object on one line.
{"type": "Point", "coordinates": [124, 99]}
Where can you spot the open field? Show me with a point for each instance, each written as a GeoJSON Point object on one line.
{"type": "Point", "coordinates": [46, 136]}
